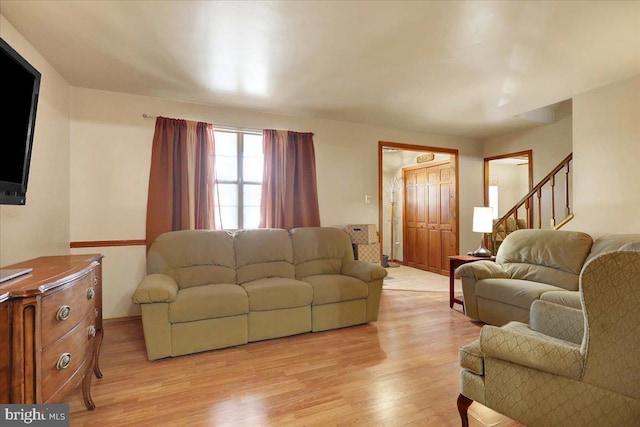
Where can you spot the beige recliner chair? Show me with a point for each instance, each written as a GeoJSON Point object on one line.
{"type": "Point", "coordinates": [528, 264]}
{"type": "Point", "coordinates": [569, 367]}
{"type": "Point", "coordinates": [345, 292]}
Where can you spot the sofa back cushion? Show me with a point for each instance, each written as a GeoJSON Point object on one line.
{"type": "Point", "coordinates": [320, 250]}
{"type": "Point", "coordinates": [611, 242]}
{"type": "Point", "coordinates": [194, 257]}
{"type": "Point", "coordinates": [554, 257]}
{"type": "Point", "coordinates": [263, 253]}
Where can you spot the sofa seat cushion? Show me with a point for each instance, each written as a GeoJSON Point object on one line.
{"type": "Point", "coordinates": [208, 302]}
{"type": "Point", "coordinates": [275, 293]}
{"type": "Point", "coordinates": [520, 293]}
{"type": "Point", "coordinates": [330, 288]}
{"type": "Point", "coordinates": [566, 298]}
{"type": "Point", "coordinates": [470, 357]}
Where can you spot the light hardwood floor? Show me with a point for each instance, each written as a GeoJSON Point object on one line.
{"type": "Point", "coordinates": [405, 278]}
{"type": "Point", "coordinates": [399, 371]}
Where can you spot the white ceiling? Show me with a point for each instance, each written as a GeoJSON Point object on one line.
{"type": "Point", "coordinates": [451, 67]}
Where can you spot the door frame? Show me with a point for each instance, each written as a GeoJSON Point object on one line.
{"type": "Point", "coordinates": [454, 153]}
{"type": "Point", "coordinates": [486, 172]}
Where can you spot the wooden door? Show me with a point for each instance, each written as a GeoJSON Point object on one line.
{"type": "Point", "coordinates": [429, 216]}
{"type": "Point", "coordinates": [415, 217]}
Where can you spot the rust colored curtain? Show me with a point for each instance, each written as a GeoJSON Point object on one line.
{"type": "Point", "coordinates": [181, 177]}
{"type": "Point", "coordinates": [204, 177]}
{"type": "Point", "coordinates": [289, 188]}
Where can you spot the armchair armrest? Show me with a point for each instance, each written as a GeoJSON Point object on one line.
{"type": "Point", "coordinates": [558, 321]}
{"type": "Point", "coordinates": [482, 270]}
{"type": "Point", "coordinates": [515, 342]}
{"type": "Point", "coordinates": [364, 271]}
{"type": "Point", "coordinates": [156, 288]}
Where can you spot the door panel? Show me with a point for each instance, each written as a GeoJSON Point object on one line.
{"type": "Point", "coordinates": [429, 216]}
{"type": "Point", "coordinates": [447, 240]}
{"type": "Point", "coordinates": [434, 250]}
{"type": "Point", "coordinates": [421, 249]}
{"type": "Point", "coordinates": [410, 240]}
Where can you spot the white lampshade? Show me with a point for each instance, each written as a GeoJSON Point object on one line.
{"type": "Point", "coordinates": [482, 220]}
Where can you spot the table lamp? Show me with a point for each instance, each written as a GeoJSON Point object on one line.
{"type": "Point", "coordinates": [482, 223]}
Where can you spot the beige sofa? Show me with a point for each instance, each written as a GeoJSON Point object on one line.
{"type": "Point", "coordinates": [531, 265]}
{"type": "Point", "coordinates": [569, 367]}
{"type": "Point", "coordinates": [212, 289]}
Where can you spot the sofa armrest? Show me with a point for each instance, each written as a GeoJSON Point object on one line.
{"type": "Point", "coordinates": [515, 342]}
{"type": "Point", "coordinates": [364, 271]}
{"type": "Point", "coordinates": [471, 273]}
{"type": "Point", "coordinates": [558, 321]}
{"type": "Point", "coordinates": [482, 270]}
{"type": "Point", "coordinates": [156, 288]}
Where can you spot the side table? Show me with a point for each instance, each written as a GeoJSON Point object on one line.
{"type": "Point", "coordinates": [456, 261]}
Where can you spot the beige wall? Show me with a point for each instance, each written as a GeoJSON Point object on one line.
{"type": "Point", "coordinates": [606, 152]}
{"type": "Point", "coordinates": [110, 155]}
{"type": "Point", "coordinates": [41, 227]}
{"type": "Point", "coordinates": [550, 144]}
{"type": "Point", "coordinates": [513, 184]}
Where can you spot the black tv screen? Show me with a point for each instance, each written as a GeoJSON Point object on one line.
{"type": "Point", "coordinates": [19, 88]}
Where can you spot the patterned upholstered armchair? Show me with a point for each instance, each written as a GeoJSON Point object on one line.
{"type": "Point", "coordinates": [569, 367]}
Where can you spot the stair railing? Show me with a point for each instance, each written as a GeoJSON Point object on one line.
{"type": "Point", "coordinates": [538, 207]}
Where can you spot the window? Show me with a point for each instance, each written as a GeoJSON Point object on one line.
{"type": "Point", "coordinates": [493, 195]}
{"type": "Point", "coordinates": [239, 164]}
{"type": "Point", "coordinates": [493, 200]}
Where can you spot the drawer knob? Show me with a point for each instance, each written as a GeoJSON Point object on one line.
{"type": "Point", "coordinates": [91, 293]}
{"type": "Point", "coordinates": [92, 331]}
{"type": "Point", "coordinates": [63, 361]}
{"type": "Point", "coordinates": [63, 313]}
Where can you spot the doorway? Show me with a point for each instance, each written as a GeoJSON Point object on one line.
{"type": "Point", "coordinates": [426, 244]}
{"type": "Point", "coordinates": [507, 179]}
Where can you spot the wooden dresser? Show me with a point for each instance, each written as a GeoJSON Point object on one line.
{"type": "Point", "coordinates": [51, 329]}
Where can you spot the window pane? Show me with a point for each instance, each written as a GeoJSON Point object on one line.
{"type": "Point", "coordinates": [229, 218]}
{"type": "Point", "coordinates": [252, 169]}
{"type": "Point", "coordinates": [251, 194]}
{"type": "Point", "coordinates": [251, 217]}
{"type": "Point", "coordinates": [226, 168]}
{"type": "Point", "coordinates": [226, 143]}
{"type": "Point", "coordinates": [228, 195]}
{"type": "Point", "coordinates": [252, 145]}
{"type": "Point", "coordinates": [252, 157]}
{"type": "Point", "coordinates": [493, 200]}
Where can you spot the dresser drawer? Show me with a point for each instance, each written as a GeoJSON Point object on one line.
{"type": "Point", "coordinates": [63, 309]}
{"type": "Point", "coordinates": [62, 359]}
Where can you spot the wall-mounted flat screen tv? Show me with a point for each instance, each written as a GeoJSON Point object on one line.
{"type": "Point", "coordinates": [19, 89]}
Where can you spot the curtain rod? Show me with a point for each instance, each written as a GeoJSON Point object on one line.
{"type": "Point", "coordinates": [218, 127]}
